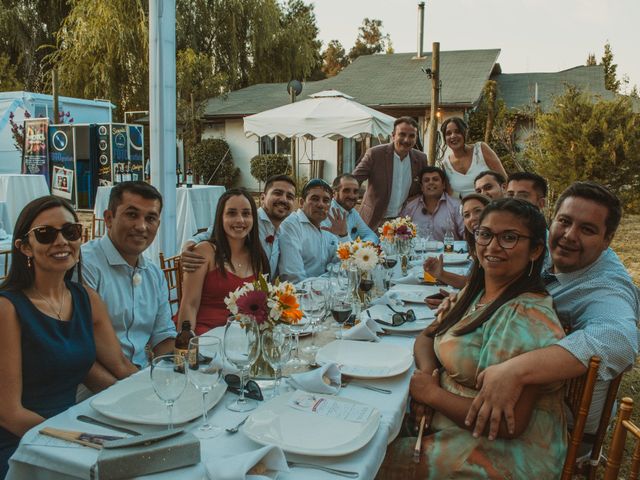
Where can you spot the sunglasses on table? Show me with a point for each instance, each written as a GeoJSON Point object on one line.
{"type": "Point", "coordinates": [399, 318]}
{"type": "Point", "coordinates": [46, 234]}
{"type": "Point", "coordinates": [251, 388]}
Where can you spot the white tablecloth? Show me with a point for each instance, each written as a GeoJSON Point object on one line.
{"type": "Point", "coordinates": [18, 190]}
{"type": "Point", "coordinates": [195, 209]}
{"type": "Point", "coordinates": [34, 460]}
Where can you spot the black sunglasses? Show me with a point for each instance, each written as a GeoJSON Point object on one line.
{"type": "Point", "coordinates": [399, 318]}
{"type": "Point", "coordinates": [251, 388]}
{"type": "Point", "coordinates": [47, 234]}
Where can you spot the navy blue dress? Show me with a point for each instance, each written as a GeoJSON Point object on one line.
{"type": "Point", "coordinates": [56, 357]}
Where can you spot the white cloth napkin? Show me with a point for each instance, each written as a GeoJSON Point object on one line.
{"type": "Point", "coordinates": [314, 381]}
{"type": "Point", "coordinates": [389, 298]}
{"type": "Point", "coordinates": [365, 330]}
{"type": "Point", "coordinates": [235, 467]}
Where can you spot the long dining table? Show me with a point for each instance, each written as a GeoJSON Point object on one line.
{"type": "Point", "coordinates": [41, 457]}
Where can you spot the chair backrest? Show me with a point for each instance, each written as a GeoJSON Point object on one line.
{"type": "Point", "coordinates": [86, 235]}
{"type": "Point", "coordinates": [172, 269]}
{"type": "Point", "coordinates": [616, 449]}
{"type": "Point", "coordinates": [98, 228]}
{"type": "Point", "coordinates": [5, 256]}
{"type": "Point", "coordinates": [578, 394]}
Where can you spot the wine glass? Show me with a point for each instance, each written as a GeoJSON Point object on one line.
{"type": "Point", "coordinates": [321, 289]}
{"type": "Point", "coordinates": [169, 380]}
{"type": "Point", "coordinates": [366, 284]}
{"type": "Point", "coordinates": [341, 308]}
{"type": "Point", "coordinates": [205, 365]}
{"type": "Point", "coordinates": [241, 348]}
{"type": "Point", "coordinates": [276, 349]}
{"type": "Point", "coordinates": [312, 309]}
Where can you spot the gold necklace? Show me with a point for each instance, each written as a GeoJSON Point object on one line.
{"type": "Point", "coordinates": [59, 313]}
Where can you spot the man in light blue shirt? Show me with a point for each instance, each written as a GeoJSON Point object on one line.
{"type": "Point", "coordinates": [593, 295]}
{"type": "Point", "coordinates": [345, 197]}
{"type": "Point", "coordinates": [134, 289]}
{"type": "Point", "coordinates": [307, 246]}
{"type": "Point", "coordinates": [277, 203]}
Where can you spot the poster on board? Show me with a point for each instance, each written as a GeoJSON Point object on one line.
{"type": "Point", "coordinates": [35, 153]}
{"type": "Point", "coordinates": [62, 182]}
{"type": "Point", "coordinates": [61, 155]}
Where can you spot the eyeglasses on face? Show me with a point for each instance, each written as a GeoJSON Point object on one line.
{"type": "Point", "coordinates": [251, 388]}
{"type": "Point", "coordinates": [47, 234]}
{"type": "Point", "coordinates": [506, 239]}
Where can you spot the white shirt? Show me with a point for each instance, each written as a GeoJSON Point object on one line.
{"type": "Point", "coordinates": [400, 184]}
{"type": "Point", "coordinates": [355, 225]}
{"type": "Point", "coordinates": [306, 249]}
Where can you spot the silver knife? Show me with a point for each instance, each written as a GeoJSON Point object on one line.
{"type": "Point", "coordinates": [95, 421]}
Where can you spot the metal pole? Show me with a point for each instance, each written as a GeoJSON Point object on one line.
{"type": "Point", "coordinates": [435, 97]}
{"type": "Point", "coordinates": [54, 91]}
{"type": "Point", "coordinates": [294, 153]}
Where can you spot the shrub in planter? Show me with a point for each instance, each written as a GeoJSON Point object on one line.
{"type": "Point", "coordinates": [265, 166]}
{"type": "Point", "coordinates": [206, 158]}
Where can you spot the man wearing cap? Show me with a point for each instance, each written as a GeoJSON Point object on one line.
{"type": "Point", "coordinates": [307, 246]}
{"type": "Point", "coordinates": [391, 171]}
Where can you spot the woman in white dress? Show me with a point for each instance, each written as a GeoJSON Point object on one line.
{"type": "Point", "coordinates": [466, 161]}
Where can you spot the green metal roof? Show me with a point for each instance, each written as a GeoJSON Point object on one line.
{"type": "Point", "coordinates": [391, 80]}
{"type": "Point", "coordinates": [518, 89]}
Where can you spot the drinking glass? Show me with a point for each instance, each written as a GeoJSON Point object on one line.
{"type": "Point", "coordinates": [312, 308]}
{"type": "Point", "coordinates": [241, 347]}
{"type": "Point", "coordinates": [321, 289]}
{"type": "Point", "coordinates": [366, 284]}
{"type": "Point", "coordinates": [354, 284]}
{"type": "Point", "coordinates": [341, 308]}
{"type": "Point", "coordinates": [205, 363]}
{"type": "Point", "coordinates": [169, 380]}
{"type": "Point", "coordinates": [276, 349]}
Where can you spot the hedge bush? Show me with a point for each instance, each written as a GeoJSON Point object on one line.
{"type": "Point", "coordinates": [265, 166]}
{"type": "Point", "coordinates": [206, 156]}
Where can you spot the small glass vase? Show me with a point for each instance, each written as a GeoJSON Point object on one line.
{"type": "Point", "coordinates": [261, 370]}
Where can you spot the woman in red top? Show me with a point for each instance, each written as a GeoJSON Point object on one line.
{"type": "Point", "coordinates": [234, 256]}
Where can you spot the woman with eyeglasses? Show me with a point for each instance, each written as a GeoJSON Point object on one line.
{"type": "Point", "coordinates": [502, 312]}
{"type": "Point", "coordinates": [472, 206]}
{"type": "Point", "coordinates": [52, 329]}
{"type": "Point", "coordinates": [234, 256]}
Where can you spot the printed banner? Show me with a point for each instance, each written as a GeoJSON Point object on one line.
{"type": "Point", "coordinates": [61, 140]}
{"type": "Point", "coordinates": [35, 159]}
{"type": "Point", "coordinates": [136, 151]}
{"type": "Point", "coordinates": [105, 178]}
{"type": "Point", "coordinates": [62, 182]}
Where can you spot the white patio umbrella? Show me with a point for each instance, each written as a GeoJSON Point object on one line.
{"type": "Point", "coordinates": [329, 114]}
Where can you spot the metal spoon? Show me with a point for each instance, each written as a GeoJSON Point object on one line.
{"type": "Point", "coordinates": [235, 429]}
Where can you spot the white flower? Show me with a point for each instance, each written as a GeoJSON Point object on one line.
{"type": "Point", "coordinates": [366, 258]}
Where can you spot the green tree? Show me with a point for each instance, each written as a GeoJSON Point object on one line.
{"type": "Point", "coordinates": [584, 138]}
{"type": "Point", "coordinates": [103, 52]}
{"type": "Point", "coordinates": [27, 34]}
{"type": "Point", "coordinates": [371, 39]}
{"type": "Point", "coordinates": [591, 60]}
{"type": "Point", "coordinates": [334, 58]}
{"type": "Point", "coordinates": [8, 77]}
{"type": "Point", "coordinates": [611, 81]}
{"type": "Point", "coordinates": [212, 160]}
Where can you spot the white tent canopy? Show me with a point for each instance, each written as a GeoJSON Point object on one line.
{"type": "Point", "coordinates": [329, 114]}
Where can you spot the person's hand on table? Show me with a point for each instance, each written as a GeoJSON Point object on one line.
{"type": "Point", "coordinates": [434, 302]}
{"type": "Point", "coordinates": [434, 266]}
{"type": "Point", "coordinates": [500, 389]}
{"type": "Point", "coordinates": [189, 259]}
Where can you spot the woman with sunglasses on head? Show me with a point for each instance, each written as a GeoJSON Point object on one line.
{"type": "Point", "coordinates": [234, 256]}
{"type": "Point", "coordinates": [52, 329]}
{"type": "Point", "coordinates": [472, 206]}
{"type": "Point", "coordinates": [502, 312]}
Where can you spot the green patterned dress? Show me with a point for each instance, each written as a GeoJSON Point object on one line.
{"type": "Point", "coordinates": [526, 323]}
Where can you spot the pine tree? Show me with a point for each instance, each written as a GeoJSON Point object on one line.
{"type": "Point", "coordinates": [334, 58]}
{"type": "Point", "coordinates": [611, 81]}
{"type": "Point", "coordinates": [591, 60]}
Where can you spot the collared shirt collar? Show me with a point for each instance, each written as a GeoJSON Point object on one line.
{"type": "Point", "coordinates": [262, 215]}
{"type": "Point", "coordinates": [113, 255]}
{"type": "Point", "coordinates": [335, 204]}
{"type": "Point", "coordinates": [564, 278]}
{"type": "Point", "coordinates": [303, 218]}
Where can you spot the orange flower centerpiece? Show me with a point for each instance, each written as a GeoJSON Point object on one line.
{"type": "Point", "coordinates": [399, 232]}
{"type": "Point", "coordinates": [270, 304]}
{"type": "Point", "coordinates": [364, 255]}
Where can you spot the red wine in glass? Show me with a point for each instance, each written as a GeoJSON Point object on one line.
{"type": "Point", "coordinates": [390, 262]}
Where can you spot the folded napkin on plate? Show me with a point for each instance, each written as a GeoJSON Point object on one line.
{"type": "Point", "coordinates": [365, 330]}
{"type": "Point", "coordinates": [262, 464]}
{"type": "Point", "coordinates": [326, 379]}
{"type": "Point", "coordinates": [389, 298]}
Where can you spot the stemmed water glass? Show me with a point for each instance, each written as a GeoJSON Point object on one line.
{"type": "Point", "coordinates": [313, 309]}
{"type": "Point", "coordinates": [321, 289]}
{"type": "Point", "coordinates": [205, 365]}
{"type": "Point", "coordinates": [169, 380]}
{"type": "Point", "coordinates": [241, 348]}
{"type": "Point", "coordinates": [276, 349]}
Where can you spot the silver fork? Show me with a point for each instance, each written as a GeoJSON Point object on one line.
{"type": "Point", "coordinates": [235, 429]}
{"type": "Point", "coordinates": [314, 466]}
{"type": "Point", "coordinates": [373, 388]}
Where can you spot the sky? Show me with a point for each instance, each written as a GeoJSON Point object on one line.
{"type": "Point", "coordinates": [533, 35]}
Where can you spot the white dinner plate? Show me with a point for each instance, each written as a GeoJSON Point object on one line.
{"type": "Point", "coordinates": [277, 423]}
{"type": "Point", "coordinates": [453, 258]}
{"type": "Point", "coordinates": [134, 400]}
{"type": "Point", "coordinates": [416, 296]}
{"type": "Point", "coordinates": [366, 359]}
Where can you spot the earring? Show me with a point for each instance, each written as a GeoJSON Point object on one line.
{"type": "Point", "coordinates": [531, 268]}
{"type": "Point", "coordinates": [28, 262]}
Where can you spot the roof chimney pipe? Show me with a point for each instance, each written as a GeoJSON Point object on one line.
{"type": "Point", "coordinates": [420, 51]}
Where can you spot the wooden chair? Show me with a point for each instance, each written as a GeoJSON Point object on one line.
{"type": "Point", "coordinates": [578, 396]}
{"type": "Point", "coordinates": [616, 449]}
{"type": "Point", "coordinates": [5, 255]}
{"type": "Point", "coordinates": [86, 235]}
{"type": "Point", "coordinates": [98, 228]}
{"type": "Point", "coordinates": [172, 269]}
